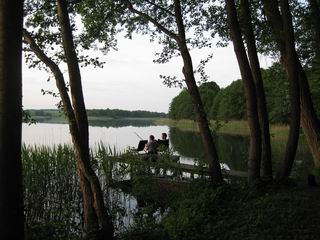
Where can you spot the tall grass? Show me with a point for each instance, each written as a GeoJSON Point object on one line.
{"type": "Point", "coordinates": [51, 191]}
{"type": "Point", "coordinates": [53, 204]}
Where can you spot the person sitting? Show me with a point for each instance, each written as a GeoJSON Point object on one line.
{"type": "Point", "coordinates": [151, 146]}
{"type": "Point", "coordinates": [163, 142]}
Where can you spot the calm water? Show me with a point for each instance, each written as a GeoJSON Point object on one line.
{"type": "Point", "coordinates": [233, 149]}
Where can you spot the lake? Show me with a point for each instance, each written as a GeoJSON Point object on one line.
{"type": "Point", "coordinates": [121, 134]}
{"type": "Point", "coordinates": [52, 187]}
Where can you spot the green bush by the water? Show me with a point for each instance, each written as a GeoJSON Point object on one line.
{"type": "Point", "coordinates": [229, 103]}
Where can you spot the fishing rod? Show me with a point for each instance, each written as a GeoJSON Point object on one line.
{"type": "Point", "coordinates": [138, 135]}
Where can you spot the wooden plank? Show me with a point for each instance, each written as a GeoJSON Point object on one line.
{"type": "Point", "coordinates": [182, 167]}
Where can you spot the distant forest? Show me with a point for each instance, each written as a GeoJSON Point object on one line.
{"type": "Point", "coordinates": [100, 113]}
{"type": "Point", "coordinates": [229, 103]}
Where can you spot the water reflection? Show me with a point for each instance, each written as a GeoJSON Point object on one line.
{"type": "Point", "coordinates": [118, 138]}
{"type": "Point", "coordinates": [116, 123]}
{"type": "Point", "coordinates": [232, 149]}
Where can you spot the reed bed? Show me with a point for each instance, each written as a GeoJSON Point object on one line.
{"type": "Point", "coordinates": [53, 204]}
{"type": "Point", "coordinates": [51, 191]}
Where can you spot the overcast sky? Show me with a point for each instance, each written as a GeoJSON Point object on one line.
{"type": "Point", "coordinates": [130, 80]}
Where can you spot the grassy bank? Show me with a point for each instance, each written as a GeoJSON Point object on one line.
{"type": "Point", "coordinates": [202, 211]}
{"type": "Point", "coordinates": [227, 127]}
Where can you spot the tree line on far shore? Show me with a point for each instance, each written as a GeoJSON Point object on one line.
{"type": "Point", "coordinates": [229, 103]}
{"type": "Point", "coordinates": [104, 113]}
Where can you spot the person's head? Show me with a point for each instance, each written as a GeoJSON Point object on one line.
{"type": "Point", "coordinates": [151, 138]}
{"type": "Point", "coordinates": [163, 136]}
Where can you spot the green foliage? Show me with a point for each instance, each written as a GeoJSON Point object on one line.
{"type": "Point", "coordinates": [118, 113]}
{"type": "Point", "coordinates": [230, 103]}
{"type": "Point", "coordinates": [26, 117]}
{"type": "Point", "coordinates": [234, 212]}
{"type": "Point", "coordinates": [51, 193]}
{"type": "Point", "coordinates": [314, 82]}
{"type": "Point", "coordinates": [181, 106]}
{"type": "Point", "coordinates": [103, 19]}
{"type": "Point", "coordinates": [102, 113]}
{"type": "Point", "coordinates": [276, 88]}
{"type": "Point", "coordinates": [41, 21]}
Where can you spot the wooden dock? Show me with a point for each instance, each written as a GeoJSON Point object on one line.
{"type": "Point", "coordinates": [163, 167]}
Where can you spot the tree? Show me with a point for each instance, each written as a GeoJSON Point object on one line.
{"type": "Point", "coordinates": [250, 92]}
{"type": "Point", "coordinates": [277, 93]}
{"type": "Point", "coordinates": [11, 199]}
{"type": "Point", "coordinates": [97, 222]}
{"type": "Point", "coordinates": [181, 106]}
{"type": "Point", "coordinates": [315, 20]}
{"type": "Point", "coordinates": [309, 120]}
{"type": "Point", "coordinates": [248, 33]}
{"type": "Point", "coordinates": [169, 21]}
{"type": "Point", "coordinates": [293, 138]}
{"type": "Point", "coordinates": [230, 103]}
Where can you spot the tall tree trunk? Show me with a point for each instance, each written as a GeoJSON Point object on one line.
{"type": "Point", "coordinates": [90, 216]}
{"type": "Point", "coordinates": [82, 144]}
{"type": "Point", "coordinates": [97, 222]}
{"type": "Point", "coordinates": [266, 161]}
{"type": "Point", "coordinates": [315, 20]}
{"type": "Point", "coordinates": [309, 121]}
{"type": "Point", "coordinates": [293, 76]}
{"type": "Point", "coordinates": [250, 91]}
{"type": "Point", "coordinates": [180, 38]}
{"type": "Point", "coordinates": [11, 193]}
{"type": "Point", "coordinates": [209, 146]}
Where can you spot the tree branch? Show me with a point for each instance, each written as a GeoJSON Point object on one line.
{"type": "Point", "coordinates": [152, 20]}
{"type": "Point", "coordinates": [27, 38]}
{"type": "Point", "coordinates": [161, 8]}
{"type": "Point", "coordinates": [179, 20]}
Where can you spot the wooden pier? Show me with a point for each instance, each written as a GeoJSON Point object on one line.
{"type": "Point", "coordinates": [164, 168]}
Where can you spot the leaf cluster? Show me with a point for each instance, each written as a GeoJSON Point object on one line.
{"type": "Point", "coordinates": [41, 21]}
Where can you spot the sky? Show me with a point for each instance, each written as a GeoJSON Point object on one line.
{"type": "Point", "coordinates": [130, 80]}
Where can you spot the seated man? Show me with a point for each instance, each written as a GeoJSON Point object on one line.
{"type": "Point", "coordinates": [151, 146]}
{"type": "Point", "coordinates": [163, 143]}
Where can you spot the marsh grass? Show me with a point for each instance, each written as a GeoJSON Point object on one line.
{"type": "Point", "coordinates": [51, 191]}
{"type": "Point", "coordinates": [53, 204]}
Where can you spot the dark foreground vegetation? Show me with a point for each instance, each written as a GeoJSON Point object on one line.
{"type": "Point", "coordinates": [166, 209]}
{"type": "Point", "coordinates": [231, 211]}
